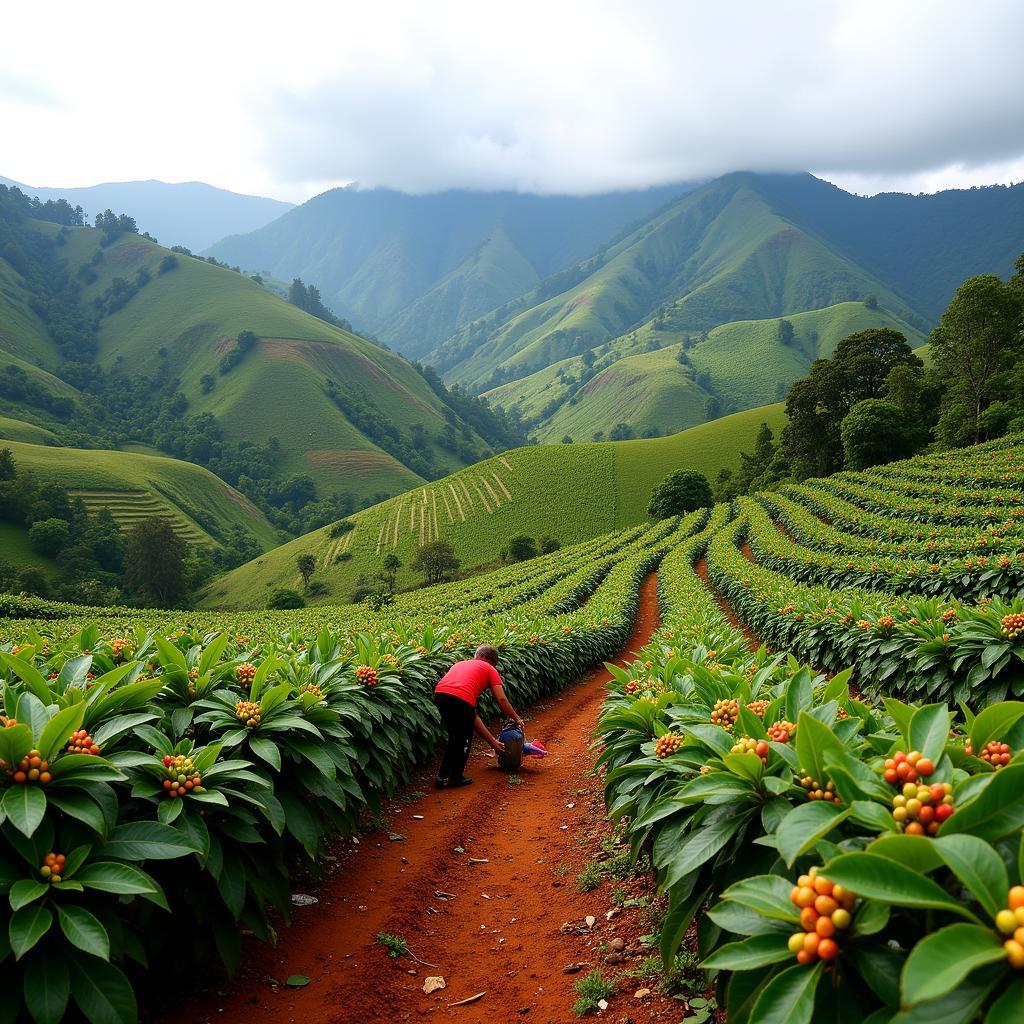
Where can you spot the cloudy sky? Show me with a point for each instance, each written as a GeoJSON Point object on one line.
{"type": "Point", "coordinates": [539, 95]}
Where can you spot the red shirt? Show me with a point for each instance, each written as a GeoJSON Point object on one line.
{"type": "Point", "coordinates": [468, 679]}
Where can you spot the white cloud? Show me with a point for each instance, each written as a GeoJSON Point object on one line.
{"type": "Point", "coordinates": [555, 96]}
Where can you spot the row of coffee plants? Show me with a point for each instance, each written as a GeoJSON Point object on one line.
{"type": "Point", "coordinates": [158, 785]}
{"type": "Point", "coordinates": [969, 577]}
{"type": "Point", "coordinates": [812, 531]}
{"type": "Point", "coordinates": [843, 860]}
{"type": "Point", "coordinates": [908, 646]}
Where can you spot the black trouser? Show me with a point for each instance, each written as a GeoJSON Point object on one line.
{"type": "Point", "coordinates": [458, 716]}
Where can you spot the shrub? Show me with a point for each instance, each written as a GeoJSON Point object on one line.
{"type": "Point", "coordinates": [283, 598]}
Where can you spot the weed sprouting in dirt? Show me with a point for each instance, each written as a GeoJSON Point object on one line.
{"type": "Point", "coordinates": [589, 878]}
{"type": "Point", "coordinates": [394, 944]}
{"type": "Point", "coordinates": [591, 989]}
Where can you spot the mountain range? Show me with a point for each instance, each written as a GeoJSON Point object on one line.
{"type": "Point", "coordinates": [189, 213]}
{"type": "Point", "coordinates": [412, 269]}
{"type": "Point", "coordinates": [744, 251]}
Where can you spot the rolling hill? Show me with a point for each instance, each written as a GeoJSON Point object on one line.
{"type": "Point", "coordinates": [134, 486]}
{"type": "Point", "coordinates": [190, 213]}
{"type": "Point", "coordinates": [570, 492]}
{"type": "Point", "coordinates": [356, 418]}
{"type": "Point", "coordinates": [658, 380]}
{"type": "Point", "coordinates": [412, 269]}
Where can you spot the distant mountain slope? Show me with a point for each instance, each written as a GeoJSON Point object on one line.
{"type": "Point", "coordinates": [412, 269]}
{"type": "Point", "coordinates": [191, 213]}
{"type": "Point", "coordinates": [570, 492]}
{"type": "Point", "coordinates": [923, 246]}
{"type": "Point", "coordinates": [719, 254]}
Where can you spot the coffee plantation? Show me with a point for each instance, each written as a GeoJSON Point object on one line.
{"type": "Point", "coordinates": [821, 750]}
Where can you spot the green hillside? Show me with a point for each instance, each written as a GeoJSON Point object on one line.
{"type": "Point", "coordinates": [570, 492]}
{"type": "Point", "coordinates": [719, 254]}
{"type": "Point", "coordinates": [412, 269]}
{"type": "Point", "coordinates": [651, 392]}
{"type": "Point", "coordinates": [195, 311]}
{"type": "Point", "coordinates": [202, 507]}
{"type": "Point", "coordinates": [754, 362]}
{"type": "Point", "coordinates": [133, 323]}
{"type": "Point", "coordinates": [30, 433]}
{"type": "Point", "coordinates": [639, 379]}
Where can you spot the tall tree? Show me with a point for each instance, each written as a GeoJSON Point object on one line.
{"type": "Point", "coordinates": [307, 566]}
{"type": "Point", "coordinates": [977, 338]}
{"type": "Point", "coordinates": [154, 562]}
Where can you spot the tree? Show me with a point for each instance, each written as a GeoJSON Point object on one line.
{"type": "Point", "coordinates": [49, 536]}
{"type": "Point", "coordinates": [875, 431]}
{"type": "Point", "coordinates": [567, 439]}
{"type": "Point", "coordinates": [786, 333]}
{"type": "Point", "coordinates": [154, 563]}
{"type": "Point", "coordinates": [307, 566]}
{"type": "Point", "coordinates": [7, 468]}
{"type": "Point", "coordinates": [548, 545]}
{"type": "Point", "coordinates": [284, 598]}
{"type": "Point", "coordinates": [389, 570]}
{"type": "Point", "coordinates": [437, 561]}
{"type": "Point", "coordinates": [680, 492]}
{"type": "Point", "coordinates": [977, 338]}
{"type": "Point", "coordinates": [519, 549]}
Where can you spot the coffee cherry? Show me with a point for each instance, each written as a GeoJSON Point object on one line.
{"type": "Point", "coordinates": [667, 745]}
{"type": "Point", "coordinates": [781, 731]}
{"type": "Point", "coordinates": [748, 745]}
{"type": "Point", "coordinates": [248, 712]}
{"type": "Point", "coordinates": [366, 675]}
{"type": "Point", "coordinates": [1006, 922]}
{"type": "Point", "coordinates": [725, 713]}
{"type": "Point", "coordinates": [245, 673]}
{"type": "Point", "coordinates": [1016, 897]}
{"type": "Point", "coordinates": [824, 911]}
{"type": "Point", "coordinates": [1014, 953]}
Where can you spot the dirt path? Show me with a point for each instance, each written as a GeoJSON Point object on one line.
{"type": "Point", "coordinates": [500, 934]}
{"type": "Point", "coordinates": [701, 569]}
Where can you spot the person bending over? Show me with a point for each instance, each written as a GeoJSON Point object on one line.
{"type": "Point", "coordinates": [456, 697]}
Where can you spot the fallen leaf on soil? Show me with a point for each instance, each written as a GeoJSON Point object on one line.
{"type": "Point", "coordinates": [433, 984]}
{"type": "Point", "coordinates": [301, 899]}
{"type": "Point", "coordinates": [395, 837]}
{"type": "Point", "coordinates": [590, 920]}
{"type": "Point", "coordinates": [641, 993]}
{"type": "Point", "coordinates": [602, 1004]}
{"type": "Point", "coordinates": [296, 981]}
{"type": "Point", "coordinates": [479, 860]}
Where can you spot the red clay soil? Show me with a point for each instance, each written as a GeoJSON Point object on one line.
{"type": "Point", "coordinates": [701, 569]}
{"type": "Point", "coordinates": [509, 853]}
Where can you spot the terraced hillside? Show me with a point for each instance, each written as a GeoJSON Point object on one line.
{"type": "Point", "coordinates": [569, 492]}
{"type": "Point", "coordinates": [134, 486]}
